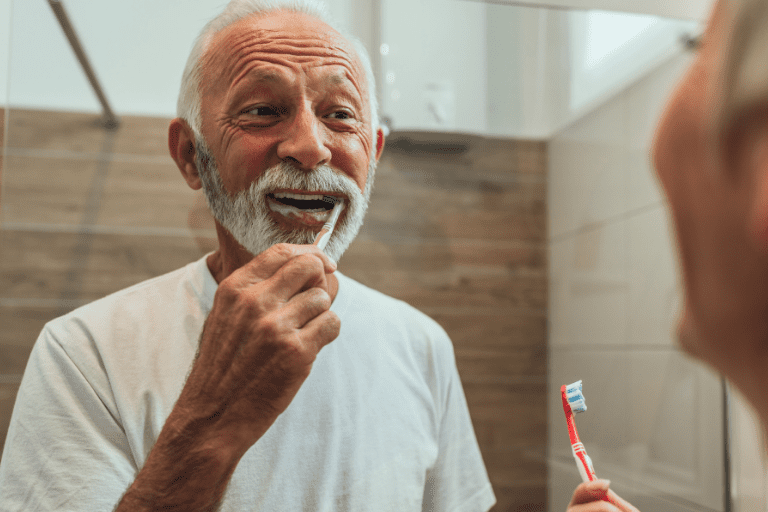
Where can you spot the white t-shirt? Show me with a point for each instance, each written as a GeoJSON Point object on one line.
{"type": "Point", "coordinates": [380, 424]}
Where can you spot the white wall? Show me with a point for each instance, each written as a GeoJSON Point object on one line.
{"type": "Point", "coordinates": [653, 424]}
{"type": "Point", "coordinates": [137, 48]}
{"type": "Point", "coordinates": [434, 72]}
{"type": "Point", "coordinates": [5, 28]}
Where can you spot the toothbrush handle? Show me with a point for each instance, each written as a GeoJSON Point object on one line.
{"type": "Point", "coordinates": [583, 463]}
{"type": "Point", "coordinates": [322, 237]}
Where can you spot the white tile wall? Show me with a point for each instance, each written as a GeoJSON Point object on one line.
{"type": "Point", "coordinates": [645, 101]}
{"type": "Point", "coordinates": [654, 419]}
{"type": "Point", "coordinates": [748, 458]}
{"type": "Point", "coordinates": [588, 162]}
{"type": "Point", "coordinates": [654, 288]}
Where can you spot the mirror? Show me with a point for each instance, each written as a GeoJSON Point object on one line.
{"type": "Point", "coordinates": [515, 204]}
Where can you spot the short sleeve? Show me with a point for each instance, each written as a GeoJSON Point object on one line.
{"type": "Point", "coordinates": [458, 482]}
{"type": "Point", "coordinates": [65, 448]}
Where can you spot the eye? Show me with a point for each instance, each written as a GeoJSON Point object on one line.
{"type": "Point", "coordinates": [341, 114]}
{"type": "Point", "coordinates": [262, 111]}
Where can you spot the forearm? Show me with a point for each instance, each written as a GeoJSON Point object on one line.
{"type": "Point", "coordinates": [182, 472]}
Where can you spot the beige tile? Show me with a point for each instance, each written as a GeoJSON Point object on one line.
{"type": "Point", "coordinates": [148, 195]}
{"type": "Point", "coordinates": [516, 466]}
{"type": "Point", "coordinates": [455, 288]}
{"type": "Point", "coordinates": [508, 414]}
{"type": "Point", "coordinates": [514, 498]}
{"type": "Point", "coordinates": [79, 132]}
{"type": "Point", "coordinates": [500, 330]}
{"type": "Point", "coordinates": [487, 366]}
{"type": "Point", "coordinates": [7, 399]}
{"type": "Point", "coordinates": [492, 225]}
{"type": "Point", "coordinates": [34, 265]}
{"type": "Point", "coordinates": [655, 283]}
{"type": "Point", "coordinates": [20, 326]}
{"type": "Point", "coordinates": [47, 190]}
{"type": "Point", "coordinates": [118, 261]}
{"type": "Point", "coordinates": [588, 169]}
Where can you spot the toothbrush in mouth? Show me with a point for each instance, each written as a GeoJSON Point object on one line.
{"type": "Point", "coordinates": [321, 240]}
{"type": "Point", "coordinates": [573, 402]}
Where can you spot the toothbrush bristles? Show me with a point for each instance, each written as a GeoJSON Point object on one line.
{"type": "Point", "coordinates": [329, 199]}
{"type": "Point", "coordinates": [575, 397]}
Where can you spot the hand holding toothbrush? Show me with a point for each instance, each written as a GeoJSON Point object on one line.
{"type": "Point", "coordinates": [595, 496]}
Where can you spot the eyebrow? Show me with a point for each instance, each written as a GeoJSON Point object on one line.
{"type": "Point", "coordinates": [336, 78]}
{"type": "Point", "coordinates": [265, 76]}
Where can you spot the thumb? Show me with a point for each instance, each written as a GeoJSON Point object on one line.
{"type": "Point", "coordinates": [588, 492]}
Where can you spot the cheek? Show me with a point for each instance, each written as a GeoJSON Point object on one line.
{"type": "Point", "coordinates": [679, 137]}
{"type": "Point", "coordinates": [351, 157]}
{"type": "Point", "coordinates": [246, 160]}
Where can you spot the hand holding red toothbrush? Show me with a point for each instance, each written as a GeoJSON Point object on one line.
{"type": "Point", "coordinates": [595, 496]}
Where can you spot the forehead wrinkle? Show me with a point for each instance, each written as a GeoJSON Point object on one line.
{"type": "Point", "coordinates": [287, 50]}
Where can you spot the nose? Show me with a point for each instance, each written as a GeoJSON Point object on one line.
{"type": "Point", "coordinates": [304, 141]}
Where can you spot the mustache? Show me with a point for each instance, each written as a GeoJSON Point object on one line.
{"type": "Point", "coordinates": [323, 178]}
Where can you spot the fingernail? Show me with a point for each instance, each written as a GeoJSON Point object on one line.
{"type": "Point", "coordinates": [604, 484]}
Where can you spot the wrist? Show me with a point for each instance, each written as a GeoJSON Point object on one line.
{"type": "Point", "coordinates": [188, 469]}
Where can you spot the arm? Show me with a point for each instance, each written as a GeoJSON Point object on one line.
{"type": "Point", "coordinates": [588, 497]}
{"type": "Point", "coordinates": [268, 322]}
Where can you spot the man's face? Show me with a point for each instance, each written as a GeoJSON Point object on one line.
{"type": "Point", "coordinates": [285, 118]}
{"type": "Point", "coordinates": [718, 207]}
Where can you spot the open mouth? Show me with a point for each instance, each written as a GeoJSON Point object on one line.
{"type": "Point", "coordinates": [305, 202]}
{"type": "Point", "coordinates": [309, 209]}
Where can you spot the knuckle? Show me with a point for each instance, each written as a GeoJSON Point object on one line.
{"type": "Point", "coordinates": [270, 327]}
{"type": "Point", "coordinates": [319, 298]}
{"type": "Point", "coordinates": [282, 250]}
{"type": "Point", "coordinates": [310, 261]}
{"type": "Point", "coordinates": [259, 304]}
{"type": "Point", "coordinates": [332, 325]}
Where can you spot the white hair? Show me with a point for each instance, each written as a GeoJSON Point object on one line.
{"type": "Point", "coordinates": [744, 80]}
{"type": "Point", "coordinates": [188, 105]}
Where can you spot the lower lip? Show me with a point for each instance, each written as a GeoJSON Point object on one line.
{"type": "Point", "coordinates": [291, 214]}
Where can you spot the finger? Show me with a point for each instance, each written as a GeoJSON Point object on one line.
{"type": "Point", "coordinates": [621, 503]}
{"type": "Point", "coordinates": [594, 506]}
{"type": "Point", "coordinates": [299, 274]}
{"type": "Point", "coordinates": [305, 306]}
{"type": "Point", "coordinates": [266, 264]}
{"type": "Point", "coordinates": [321, 330]}
{"type": "Point", "coordinates": [588, 492]}
{"type": "Point", "coordinates": [590, 496]}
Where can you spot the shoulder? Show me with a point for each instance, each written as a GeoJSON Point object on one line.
{"type": "Point", "coordinates": [129, 313]}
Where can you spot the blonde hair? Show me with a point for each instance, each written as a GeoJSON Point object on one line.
{"type": "Point", "coordinates": [188, 104]}
{"type": "Point", "coordinates": [744, 79]}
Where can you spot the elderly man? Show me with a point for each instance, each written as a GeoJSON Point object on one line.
{"type": "Point", "coordinates": [207, 388]}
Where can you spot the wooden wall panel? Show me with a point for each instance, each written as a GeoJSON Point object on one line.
{"type": "Point", "coordinates": [456, 227]}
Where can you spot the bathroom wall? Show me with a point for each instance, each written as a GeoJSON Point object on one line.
{"type": "Point", "coordinates": [654, 419]}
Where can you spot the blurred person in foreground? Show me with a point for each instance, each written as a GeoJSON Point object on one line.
{"type": "Point", "coordinates": [711, 157]}
{"type": "Point", "coordinates": [257, 378]}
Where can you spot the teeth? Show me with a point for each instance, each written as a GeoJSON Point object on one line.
{"type": "Point", "coordinates": [305, 197]}
{"type": "Point", "coordinates": [286, 210]}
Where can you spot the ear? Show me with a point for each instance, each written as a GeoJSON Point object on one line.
{"type": "Point", "coordinates": [379, 143]}
{"type": "Point", "coordinates": [181, 144]}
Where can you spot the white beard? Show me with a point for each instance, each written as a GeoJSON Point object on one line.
{"type": "Point", "coordinates": [246, 215]}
